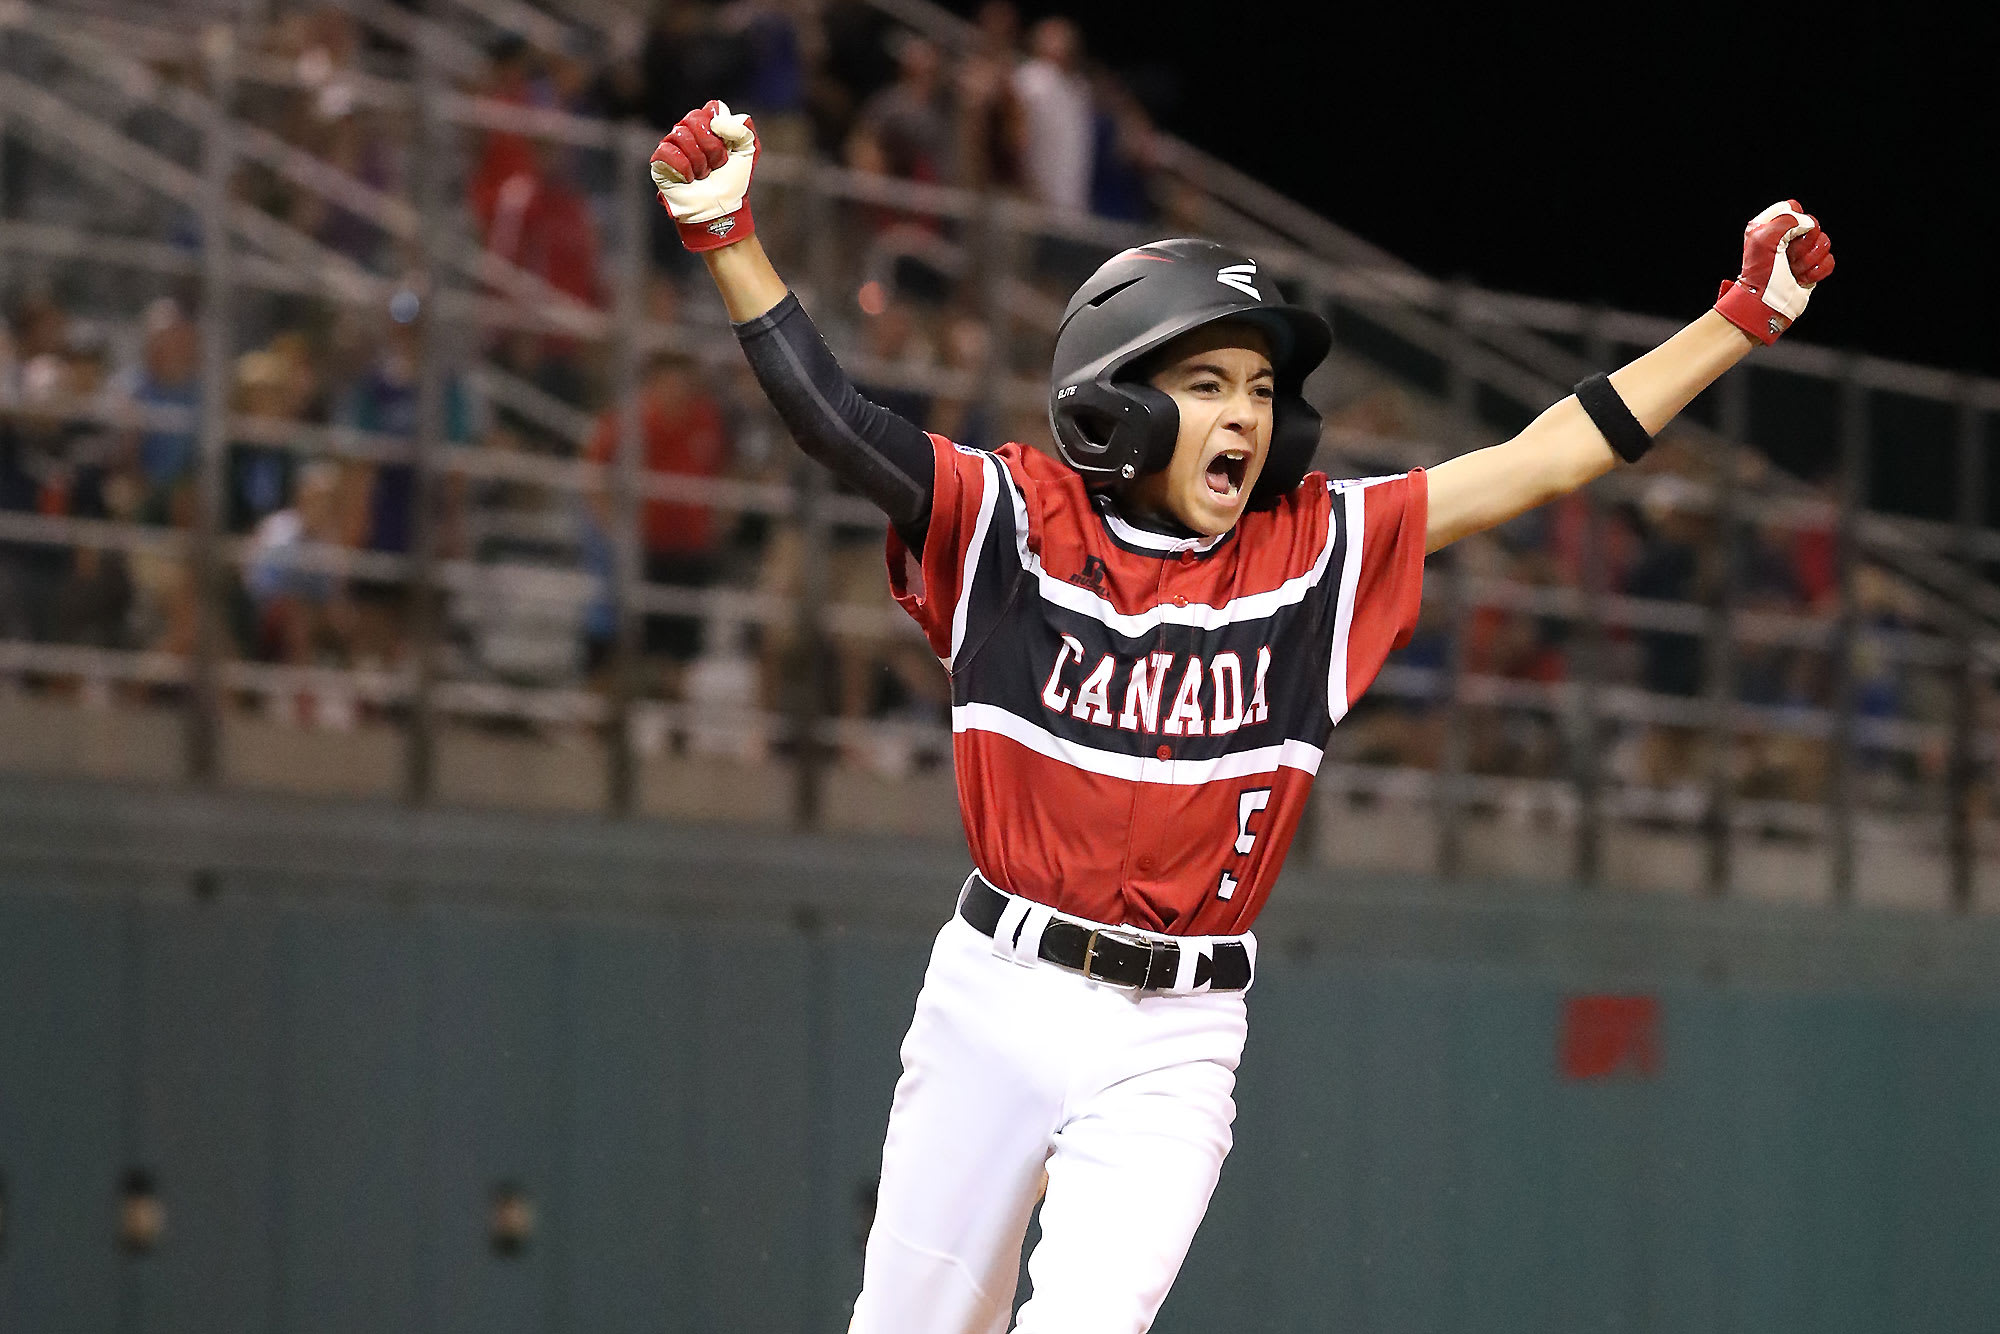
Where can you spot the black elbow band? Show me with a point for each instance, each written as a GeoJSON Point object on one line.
{"type": "Point", "coordinates": [1610, 415]}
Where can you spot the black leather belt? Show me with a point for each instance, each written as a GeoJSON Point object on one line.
{"type": "Point", "coordinates": [1109, 955]}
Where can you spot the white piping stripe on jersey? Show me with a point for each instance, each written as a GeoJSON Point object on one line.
{"type": "Point", "coordinates": [1354, 501]}
{"type": "Point", "coordinates": [1139, 537]}
{"type": "Point", "coordinates": [1363, 483]}
{"type": "Point", "coordinates": [1134, 768]}
{"type": "Point", "coordinates": [991, 490]}
{"type": "Point", "coordinates": [1200, 615]}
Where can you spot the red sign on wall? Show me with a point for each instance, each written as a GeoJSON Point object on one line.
{"type": "Point", "coordinates": [1604, 1037]}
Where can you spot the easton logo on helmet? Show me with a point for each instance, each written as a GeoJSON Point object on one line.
{"type": "Point", "coordinates": [1238, 276]}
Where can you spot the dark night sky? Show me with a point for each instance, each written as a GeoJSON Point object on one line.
{"type": "Point", "coordinates": [1507, 148]}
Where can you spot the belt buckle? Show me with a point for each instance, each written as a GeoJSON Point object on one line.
{"type": "Point", "coordinates": [1123, 938]}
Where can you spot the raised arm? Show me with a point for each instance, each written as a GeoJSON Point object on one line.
{"type": "Point", "coordinates": [702, 169]}
{"type": "Point", "coordinates": [1785, 253]}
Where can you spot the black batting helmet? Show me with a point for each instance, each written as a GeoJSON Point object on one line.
{"type": "Point", "coordinates": [1110, 424]}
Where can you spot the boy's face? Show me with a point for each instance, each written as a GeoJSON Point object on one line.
{"type": "Point", "coordinates": [1220, 378]}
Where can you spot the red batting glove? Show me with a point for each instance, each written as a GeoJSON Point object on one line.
{"type": "Point", "coordinates": [702, 170]}
{"type": "Point", "coordinates": [1785, 254]}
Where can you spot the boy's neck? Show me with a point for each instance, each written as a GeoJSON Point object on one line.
{"type": "Point", "coordinates": [1152, 521]}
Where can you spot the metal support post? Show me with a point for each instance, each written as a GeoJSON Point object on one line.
{"type": "Point", "coordinates": [1314, 818]}
{"type": "Point", "coordinates": [822, 283]}
{"type": "Point", "coordinates": [629, 176]}
{"type": "Point", "coordinates": [420, 745]}
{"type": "Point", "coordinates": [6, 174]}
{"type": "Point", "coordinates": [1719, 681]}
{"type": "Point", "coordinates": [1852, 494]}
{"type": "Point", "coordinates": [1463, 391]}
{"type": "Point", "coordinates": [990, 267]}
{"type": "Point", "coordinates": [1962, 773]}
{"type": "Point", "coordinates": [204, 705]}
{"type": "Point", "coordinates": [808, 683]}
{"type": "Point", "coordinates": [814, 651]}
{"type": "Point", "coordinates": [1591, 658]}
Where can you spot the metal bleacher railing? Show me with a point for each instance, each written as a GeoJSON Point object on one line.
{"type": "Point", "coordinates": [72, 90]}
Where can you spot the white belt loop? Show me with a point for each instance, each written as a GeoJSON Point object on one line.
{"type": "Point", "coordinates": [1027, 943]}
{"type": "Point", "coordinates": [1013, 917]}
{"type": "Point", "coordinates": [1191, 951]}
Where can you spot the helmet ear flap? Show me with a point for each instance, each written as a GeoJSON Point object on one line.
{"type": "Point", "coordinates": [1118, 430]}
{"type": "Point", "coordinates": [1162, 429]}
{"type": "Point", "coordinates": [1295, 427]}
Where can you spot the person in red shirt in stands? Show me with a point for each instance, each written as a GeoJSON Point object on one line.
{"type": "Point", "coordinates": [685, 436]}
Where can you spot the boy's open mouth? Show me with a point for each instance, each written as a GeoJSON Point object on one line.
{"type": "Point", "coordinates": [1226, 472]}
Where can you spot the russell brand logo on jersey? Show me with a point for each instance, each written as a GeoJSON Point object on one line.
{"type": "Point", "coordinates": [1091, 576]}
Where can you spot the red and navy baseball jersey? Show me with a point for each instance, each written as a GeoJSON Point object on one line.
{"type": "Point", "coordinates": [1136, 718]}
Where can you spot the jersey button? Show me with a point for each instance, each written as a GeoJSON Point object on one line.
{"type": "Point", "coordinates": [1144, 863]}
{"type": "Point", "coordinates": [1188, 558]}
{"type": "Point", "coordinates": [1165, 752]}
{"type": "Point", "coordinates": [1180, 599]}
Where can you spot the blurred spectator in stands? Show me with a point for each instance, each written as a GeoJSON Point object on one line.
{"type": "Point", "coordinates": [1766, 576]}
{"type": "Point", "coordinates": [504, 156]}
{"type": "Point", "coordinates": [774, 85]}
{"type": "Point", "coordinates": [357, 145]}
{"type": "Point", "coordinates": [856, 61]}
{"type": "Point", "coordinates": [517, 616]}
{"type": "Point", "coordinates": [542, 224]}
{"type": "Point", "coordinates": [693, 53]}
{"type": "Point", "coordinates": [303, 616]}
{"type": "Point", "coordinates": [1880, 677]}
{"type": "Point", "coordinates": [1057, 116]}
{"type": "Point", "coordinates": [1815, 548]}
{"type": "Point", "coordinates": [1765, 583]}
{"type": "Point", "coordinates": [325, 117]}
{"type": "Point", "coordinates": [274, 387]}
{"type": "Point", "coordinates": [170, 378]}
{"type": "Point", "coordinates": [31, 463]}
{"type": "Point", "coordinates": [911, 119]}
{"type": "Point", "coordinates": [1669, 570]}
{"type": "Point", "coordinates": [1516, 646]}
{"type": "Point", "coordinates": [967, 345]}
{"type": "Point", "coordinates": [63, 468]}
{"type": "Point", "coordinates": [682, 435]}
{"type": "Point", "coordinates": [907, 688]}
{"type": "Point", "coordinates": [893, 340]}
{"type": "Point", "coordinates": [1577, 555]}
{"type": "Point", "coordinates": [94, 600]}
{"type": "Point", "coordinates": [379, 499]}
{"type": "Point", "coordinates": [1123, 153]}
{"type": "Point", "coordinates": [989, 142]}
{"type": "Point", "coordinates": [1519, 645]}
{"type": "Point", "coordinates": [324, 48]}
{"type": "Point", "coordinates": [618, 92]}
{"type": "Point", "coordinates": [41, 327]}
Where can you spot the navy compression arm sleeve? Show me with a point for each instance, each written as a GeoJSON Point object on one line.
{"type": "Point", "coordinates": [875, 451]}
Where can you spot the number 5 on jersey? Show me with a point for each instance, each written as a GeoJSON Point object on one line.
{"type": "Point", "coordinates": [1248, 804]}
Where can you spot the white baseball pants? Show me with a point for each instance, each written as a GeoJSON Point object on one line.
{"type": "Point", "coordinates": [1016, 1070]}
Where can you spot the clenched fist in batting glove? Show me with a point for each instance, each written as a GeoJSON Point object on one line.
{"type": "Point", "coordinates": [702, 169]}
{"type": "Point", "coordinates": [1785, 252]}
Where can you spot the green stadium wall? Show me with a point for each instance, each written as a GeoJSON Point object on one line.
{"type": "Point", "coordinates": [682, 1044]}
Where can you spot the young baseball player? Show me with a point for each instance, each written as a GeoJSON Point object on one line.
{"type": "Point", "coordinates": [1148, 640]}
